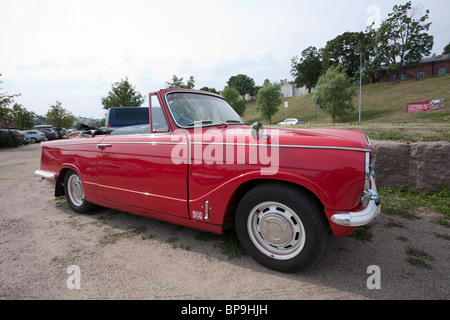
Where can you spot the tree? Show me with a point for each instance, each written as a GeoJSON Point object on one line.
{"type": "Point", "coordinates": [307, 70]}
{"type": "Point", "coordinates": [231, 94]}
{"type": "Point", "coordinates": [346, 49]}
{"type": "Point", "coordinates": [213, 90]}
{"type": "Point", "coordinates": [122, 94]}
{"type": "Point", "coordinates": [336, 92]}
{"type": "Point", "coordinates": [268, 100]}
{"type": "Point", "coordinates": [59, 117]}
{"type": "Point", "coordinates": [5, 101]}
{"type": "Point", "coordinates": [446, 49]}
{"type": "Point", "coordinates": [178, 83]}
{"type": "Point", "coordinates": [401, 38]}
{"type": "Point", "coordinates": [23, 119]}
{"type": "Point", "coordinates": [244, 84]}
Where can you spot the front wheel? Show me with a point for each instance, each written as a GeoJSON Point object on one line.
{"type": "Point", "coordinates": [281, 227]}
{"type": "Point", "coordinates": [74, 192]}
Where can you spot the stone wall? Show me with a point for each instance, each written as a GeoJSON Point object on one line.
{"type": "Point", "coordinates": [419, 165]}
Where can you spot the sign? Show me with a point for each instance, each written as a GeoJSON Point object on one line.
{"type": "Point", "coordinates": [437, 104]}
{"type": "Point", "coordinates": [318, 100]}
{"type": "Point", "coordinates": [418, 106]}
{"type": "Point", "coordinates": [425, 105]}
{"type": "Point", "coordinates": [286, 104]}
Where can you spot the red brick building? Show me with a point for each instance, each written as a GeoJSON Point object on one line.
{"type": "Point", "coordinates": [430, 66]}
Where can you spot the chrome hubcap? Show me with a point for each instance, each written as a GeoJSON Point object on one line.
{"type": "Point", "coordinates": [276, 230]}
{"type": "Point", "coordinates": [75, 190]}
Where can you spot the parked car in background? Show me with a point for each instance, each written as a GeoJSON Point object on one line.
{"type": "Point", "coordinates": [22, 136]}
{"type": "Point", "coordinates": [199, 165]}
{"type": "Point", "coordinates": [51, 133]}
{"type": "Point", "coordinates": [291, 121]}
{"type": "Point", "coordinates": [36, 136]}
{"type": "Point", "coordinates": [48, 130]}
{"type": "Point", "coordinates": [124, 117]}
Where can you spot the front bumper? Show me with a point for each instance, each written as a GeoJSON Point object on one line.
{"type": "Point", "coordinates": [363, 217]}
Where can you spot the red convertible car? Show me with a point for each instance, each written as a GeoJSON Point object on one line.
{"type": "Point", "coordinates": [198, 164]}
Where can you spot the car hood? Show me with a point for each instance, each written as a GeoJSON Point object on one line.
{"type": "Point", "coordinates": [288, 137]}
{"type": "Point", "coordinates": [321, 137]}
{"type": "Point", "coordinates": [316, 138]}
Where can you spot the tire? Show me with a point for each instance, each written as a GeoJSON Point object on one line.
{"type": "Point", "coordinates": [281, 227]}
{"type": "Point", "coordinates": [74, 193]}
{"type": "Point", "coordinates": [33, 140]}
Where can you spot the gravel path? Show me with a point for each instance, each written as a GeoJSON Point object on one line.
{"type": "Point", "coordinates": [49, 252]}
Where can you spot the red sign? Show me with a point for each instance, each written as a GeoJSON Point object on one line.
{"type": "Point", "coordinates": [425, 105]}
{"type": "Point", "coordinates": [418, 106]}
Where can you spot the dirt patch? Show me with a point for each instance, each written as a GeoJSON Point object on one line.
{"type": "Point", "coordinates": [123, 256]}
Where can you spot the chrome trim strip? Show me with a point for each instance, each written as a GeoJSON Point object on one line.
{"type": "Point", "coordinates": [121, 142]}
{"type": "Point", "coordinates": [69, 144]}
{"type": "Point", "coordinates": [149, 142]}
{"type": "Point", "coordinates": [324, 147]}
{"type": "Point", "coordinates": [224, 144]}
{"type": "Point", "coordinates": [45, 174]}
{"type": "Point", "coordinates": [281, 146]}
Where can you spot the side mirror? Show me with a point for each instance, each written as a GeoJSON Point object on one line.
{"type": "Point", "coordinates": [257, 130]}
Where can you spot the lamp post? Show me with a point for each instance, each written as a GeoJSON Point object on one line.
{"type": "Point", "coordinates": [286, 104]}
{"type": "Point", "coordinates": [360, 85]}
{"type": "Point", "coordinates": [318, 102]}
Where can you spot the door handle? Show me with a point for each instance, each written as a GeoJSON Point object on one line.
{"type": "Point", "coordinates": [102, 146]}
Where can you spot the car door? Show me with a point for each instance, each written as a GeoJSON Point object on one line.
{"type": "Point", "coordinates": [137, 169]}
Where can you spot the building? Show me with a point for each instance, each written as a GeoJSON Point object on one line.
{"type": "Point", "coordinates": [430, 66]}
{"type": "Point", "coordinates": [7, 123]}
{"type": "Point", "coordinates": [288, 89]}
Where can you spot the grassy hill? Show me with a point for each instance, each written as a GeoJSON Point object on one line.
{"type": "Point", "coordinates": [383, 111]}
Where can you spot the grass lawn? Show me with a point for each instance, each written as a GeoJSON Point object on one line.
{"type": "Point", "coordinates": [383, 111]}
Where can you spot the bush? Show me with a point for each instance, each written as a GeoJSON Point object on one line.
{"type": "Point", "coordinates": [336, 93]}
{"type": "Point", "coordinates": [9, 139]}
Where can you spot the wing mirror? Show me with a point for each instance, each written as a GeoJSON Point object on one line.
{"type": "Point", "coordinates": [257, 131]}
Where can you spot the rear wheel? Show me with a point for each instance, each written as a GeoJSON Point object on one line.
{"type": "Point", "coordinates": [74, 192]}
{"type": "Point", "coordinates": [281, 227]}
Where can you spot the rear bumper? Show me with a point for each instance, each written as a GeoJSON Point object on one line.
{"type": "Point", "coordinates": [363, 217]}
{"type": "Point", "coordinates": [45, 174]}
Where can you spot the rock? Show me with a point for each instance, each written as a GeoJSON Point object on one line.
{"type": "Point", "coordinates": [419, 165]}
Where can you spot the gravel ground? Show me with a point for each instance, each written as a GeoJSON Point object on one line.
{"type": "Point", "coordinates": [45, 246]}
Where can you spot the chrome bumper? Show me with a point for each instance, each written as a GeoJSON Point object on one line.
{"type": "Point", "coordinates": [363, 217]}
{"type": "Point", "coordinates": [45, 174]}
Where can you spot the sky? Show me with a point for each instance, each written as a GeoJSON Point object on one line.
{"type": "Point", "coordinates": [73, 51]}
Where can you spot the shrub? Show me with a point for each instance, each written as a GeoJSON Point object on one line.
{"type": "Point", "coordinates": [9, 139]}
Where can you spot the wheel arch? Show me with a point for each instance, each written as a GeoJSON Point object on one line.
{"type": "Point", "coordinates": [250, 184]}
{"type": "Point", "coordinates": [59, 186]}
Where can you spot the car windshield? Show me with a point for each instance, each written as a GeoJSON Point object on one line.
{"type": "Point", "coordinates": [195, 109]}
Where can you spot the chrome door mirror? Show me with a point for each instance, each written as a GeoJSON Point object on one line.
{"type": "Point", "coordinates": [257, 130]}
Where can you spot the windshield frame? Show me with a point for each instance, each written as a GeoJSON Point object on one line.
{"type": "Point", "coordinates": [196, 123]}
